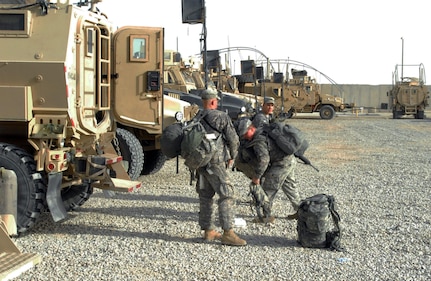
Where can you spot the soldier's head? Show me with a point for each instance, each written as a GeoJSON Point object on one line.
{"type": "Point", "coordinates": [246, 129]}
{"type": "Point", "coordinates": [268, 105]}
{"type": "Point", "coordinates": [209, 99]}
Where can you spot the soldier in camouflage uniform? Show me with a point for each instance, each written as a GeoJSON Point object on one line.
{"type": "Point", "coordinates": [265, 115]}
{"type": "Point", "coordinates": [261, 158]}
{"type": "Point", "coordinates": [213, 178]}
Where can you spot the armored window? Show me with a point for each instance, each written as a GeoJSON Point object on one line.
{"type": "Point", "coordinates": [187, 77]}
{"type": "Point", "coordinates": [15, 23]}
{"type": "Point", "coordinates": [139, 48]}
{"type": "Point", "coordinates": [90, 41]}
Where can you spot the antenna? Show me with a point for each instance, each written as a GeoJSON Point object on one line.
{"type": "Point", "coordinates": [402, 58]}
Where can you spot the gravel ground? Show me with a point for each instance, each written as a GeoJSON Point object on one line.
{"type": "Point", "coordinates": [377, 168]}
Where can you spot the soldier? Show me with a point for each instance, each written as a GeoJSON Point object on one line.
{"type": "Point", "coordinates": [213, 178]}
{"type": "Point", "coordinates": [265, 115]}
{"type": "Point", "coordinates": [260, 158]}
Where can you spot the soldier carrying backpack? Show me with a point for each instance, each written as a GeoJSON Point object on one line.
{"type": "Point", "coordinates": [260, 157]}
{"type": "Point", "coordinates": [212, 173]}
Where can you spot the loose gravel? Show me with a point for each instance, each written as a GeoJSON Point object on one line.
{"type": "Point", "coordinates": [378, 169]}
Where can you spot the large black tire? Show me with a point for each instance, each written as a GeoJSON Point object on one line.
{"type": "Point", "coordinates": [396, 114]}
{"type": "Point", "coordinates": [327, 112]}
{"type": "Point", "coordinates": [31, 184]}
{"type": "Point", "coordinates": [420, 114]}
{"type": "Point", "coordinates": [131, 151]}
{"type": "Point", "coordinates": [76, 195]}
{"type": "Point", "coordinates": [154, 161]}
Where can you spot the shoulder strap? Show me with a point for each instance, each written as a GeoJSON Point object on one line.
{"type": "Point", "coordinates": [209, 124]}
{"type": "Point", "coordinates": [334, 214]}
{"type": "Point", "coordinates": [334, 236]}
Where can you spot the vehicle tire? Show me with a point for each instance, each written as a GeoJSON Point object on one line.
{"type": "Point", "coordinates": [154, 161]}
{"type": "Point", "coordinates": [420, 114]}
{"type": "Point", "coordinates": [76, 195]}
{"type": "Point", "coordinates": [31, 184]}
{"type": "Point", "coordinates": [396, 114]}
{"type": "Point", "coordinates": [327, 112]}
{"type": "Point", "coordinates": [131, 151]}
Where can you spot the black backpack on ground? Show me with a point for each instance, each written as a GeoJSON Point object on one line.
{"type": "Point", "coordinates": [318, 223]}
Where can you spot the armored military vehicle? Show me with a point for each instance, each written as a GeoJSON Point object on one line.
{"type": "Point", "coordinates": [187, 82]}
{"type": "Point", "coordinates": [81, 106]}
{"type": "Point", "coordinates": [409, 95]}
{"type": "Point", "coordinates": [299, 94]}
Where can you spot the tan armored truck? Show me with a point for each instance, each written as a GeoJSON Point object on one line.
{"type": "Point", "coordinates": [409, 95]}
{"type": "Point", "coordinates": [82, 104]}
{"type": "Point", "coordinates": [299, 94]}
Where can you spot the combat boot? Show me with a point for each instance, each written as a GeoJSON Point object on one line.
{"type": "Point", "coordinates": [211, 235]}
{"type": "Point", "coordinates": [230, 238]}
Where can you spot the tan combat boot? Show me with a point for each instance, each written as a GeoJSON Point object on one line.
{"type": "Point", "coordinates": [230, 238]}
{"type": "Point", "coordinates": [211, 235]}
{"type": "Point", "coordinates": [293, 216]}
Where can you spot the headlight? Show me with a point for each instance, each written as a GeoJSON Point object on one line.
{"type": "Point", "coordinates": [179, 116]}
{"type": "Point", "coordinates": [243, 109]}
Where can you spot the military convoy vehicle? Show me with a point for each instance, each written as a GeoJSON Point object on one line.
{"type": "Point", "coordinates": [187, 82]}
{"type": "Point", "coordinates": [409, 95]}
{"type": "Point", "coordinates": [299, 94]}
{"type": "Point", "coordinates": [82, 104]}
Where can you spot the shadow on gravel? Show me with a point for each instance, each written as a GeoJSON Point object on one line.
{"type": "Point", "coordinates": [157, 213]}
{"type": "Point", "coordinates": [64, 230]}
{"type": "Point", "coordinates": [142, 197]}
{"type": "Point", "coordinates": [270, 241]}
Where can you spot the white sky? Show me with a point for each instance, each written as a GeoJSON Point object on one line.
{"type": "Point", "coordinates": [352, 42]}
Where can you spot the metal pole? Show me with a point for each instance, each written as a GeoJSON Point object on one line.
{"type": "Point", "coordinates": [205, 46]}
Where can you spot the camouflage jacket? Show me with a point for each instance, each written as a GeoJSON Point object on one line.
{"type": "Point", "coordinates": [219, 123]}
{"type": "Point", "coordinates": [260, 118]}
{"type": "Point", "coordinates": [260, 152]}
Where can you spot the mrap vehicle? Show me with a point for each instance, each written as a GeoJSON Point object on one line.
{"type": "Point", "coordinates": [409, 95]}
{"type": "Point", "coordinates": [81, 106]}
{"type": "Point", "coordinates": [299, 94]}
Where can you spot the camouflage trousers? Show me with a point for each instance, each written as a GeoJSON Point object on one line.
{"type": "Point", "coordinates": [213, 180]}
{"type": "Point", "coordinates": [281, 175]}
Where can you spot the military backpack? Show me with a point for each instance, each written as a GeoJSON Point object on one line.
{"type": "Point", "coordinates": [318, 223]}
{"type": "Point", "coordinates": [198, 146]}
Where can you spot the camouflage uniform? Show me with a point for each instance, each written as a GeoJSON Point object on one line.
{"type": "Point", "coordinates": [262, 158]}
{"type": "Point", "coordinates": [213, 178]}
{"type": "Point", "coordinates": [260, 119]}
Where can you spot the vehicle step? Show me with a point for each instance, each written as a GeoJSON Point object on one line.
{"type": "Point", "coordinates": [14, 264]}
{"type": "Point", "coordinates": [119, 185]}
